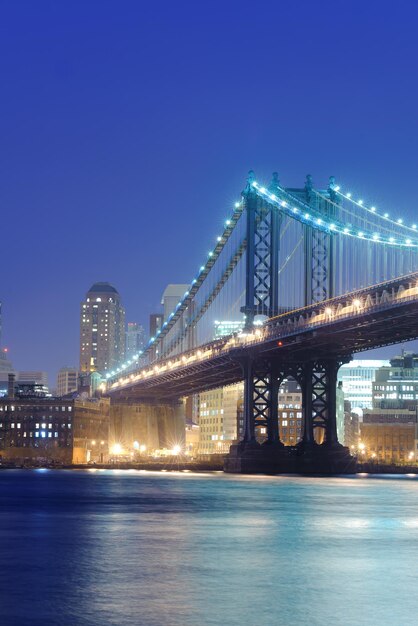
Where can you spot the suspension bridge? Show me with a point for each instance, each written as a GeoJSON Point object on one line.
{"type": "Point", "coordinates": [306, 277]}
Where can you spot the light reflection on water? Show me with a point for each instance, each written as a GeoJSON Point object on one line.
{"type": "Point", "coordinates": [180, 549]}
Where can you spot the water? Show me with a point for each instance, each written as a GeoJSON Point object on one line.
{"type": "Point", "coordinates": [147, 549]}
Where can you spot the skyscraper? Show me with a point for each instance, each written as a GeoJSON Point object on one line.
{"type": "Point", "coordinates": [102, 329]}
{"type": "Point", "coordinates": [67, 380]}
{"type": "Point", "coordinates": [135, 339]}
{"type": "Point", "coordinates": [171, 297]}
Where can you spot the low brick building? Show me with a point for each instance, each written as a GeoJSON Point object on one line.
{"type": "Point", "coordinates": [36, 428]}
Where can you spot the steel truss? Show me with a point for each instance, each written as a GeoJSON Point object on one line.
{"type": "Point", "coordinates": [263, 237]}
{"type": "Point", "coordinates": [318, 382]}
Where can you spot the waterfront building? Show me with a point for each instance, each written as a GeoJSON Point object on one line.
{"type": "Point", "coordinates": [191, 445]}
{"type": "Point", "coordinates": [389, 435]}
{"type": "Point", "coordinates": [135, 339]}
{"type": "Point", "coordinates": [396, 384]}
{"type": "Point", "coordinates": [357, 379]}
{"type": "Point", "coordinates": [218, 419]}
{"type": "Point", "coordinates": [67, 381]}
{"type": "Point", "coordinates": [39, 428]}
{"type": "Point", "coordinates": [102, 329]}
{"type": "Point", "coordinates": [290, 412]}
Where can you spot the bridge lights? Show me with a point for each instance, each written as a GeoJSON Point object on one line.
{"type": "Point", "coordinates": [280, 343]}
{"type": "Point", "coordinates": [237, 205]}
{"type": "Point", "coordinates": [328, 311]}
{"type": "Point", "coordinates": [356, 303]}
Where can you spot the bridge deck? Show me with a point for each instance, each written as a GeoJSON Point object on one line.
{"type": "Point", "coordinates": [379, 316]}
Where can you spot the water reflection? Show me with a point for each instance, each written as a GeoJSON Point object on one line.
{"type": "Point", "coordinates": [140, 548]}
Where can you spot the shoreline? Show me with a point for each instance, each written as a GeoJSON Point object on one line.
{"type": "Point", "coordinates": [362, 468]}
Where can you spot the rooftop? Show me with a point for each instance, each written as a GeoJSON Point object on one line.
{"type": "Point", "coordinates": [102, 288]}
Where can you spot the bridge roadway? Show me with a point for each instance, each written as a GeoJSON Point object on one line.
{"type": "Point", "coordinates": [369, 318]}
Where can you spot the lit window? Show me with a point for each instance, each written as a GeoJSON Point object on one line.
{"type": "Point", "coordinates": [36, 434]}
{"type": "Point", "coordinates": [36, 425]}
{"type": "Point", "coordinates": [18, 425]}
{"type": "Point", "coordinates": [43, 425]}
{"type": "Point", "coordinates": [49, 435]}
{"type": "Point", "coordinates": [43, 434]}
{"type": "Point", "coordinates": [12, 425]}
{"type": "Point", "coordinates": [69, 425]}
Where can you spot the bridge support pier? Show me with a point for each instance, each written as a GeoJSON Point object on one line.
{"type": "Point", "coordinates": [320, 452]}
{"type": "Point", "coordinates": [261, 451]}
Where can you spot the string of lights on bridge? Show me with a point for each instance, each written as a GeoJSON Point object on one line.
{"type": "Point", "coordinates": [373, 210]}
{"type": "Point", "coordinates": [308, 217]}
{"type": "Point", "coordinates": [220, 241]}
{"type": "Point", "coordinates": [320, 223]}
{"type": "Point", "coordinates": [312, 315]}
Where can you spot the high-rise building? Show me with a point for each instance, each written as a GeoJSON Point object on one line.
{"type": "Point", "coordinates": [102, 329]}
{"type": "Point", "coordinates": [155, 323]}
{"type": "Point", "coordinates": [135, 339]}
{"type": "Point", "coordinates": [396, 385]}
{"type": "Point", "coordinates": [171, 297]}
{"type": "Point", "coordinates": [32, 377]}
{"type": "Point", "coordinates": [67, 381]}
{"type": "Point", "coordinates": [357, 379]}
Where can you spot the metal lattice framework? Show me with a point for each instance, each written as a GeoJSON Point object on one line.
{"type": "Point", "coordinates": [283, 252]}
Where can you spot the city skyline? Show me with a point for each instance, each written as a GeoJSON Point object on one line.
{"type": "Point", "coordinates": [128, 140]}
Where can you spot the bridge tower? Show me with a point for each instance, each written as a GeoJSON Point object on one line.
{"type": "Point", "coordinates": [319, 451]}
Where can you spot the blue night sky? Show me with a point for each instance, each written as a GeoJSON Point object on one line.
{"type": "Point", "coordinates": [127, 129]}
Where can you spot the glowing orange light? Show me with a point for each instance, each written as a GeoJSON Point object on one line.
{"type": "Point", "coordinates": [279, 343]}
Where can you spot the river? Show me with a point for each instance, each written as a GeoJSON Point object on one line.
{"type": "Point", "coordinates": [118, 547]}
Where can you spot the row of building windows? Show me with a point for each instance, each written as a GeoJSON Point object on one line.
{"type": "Point", "coordinates": [26, 407]}
{"type": "Point", "coordinates": [18, 425]}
